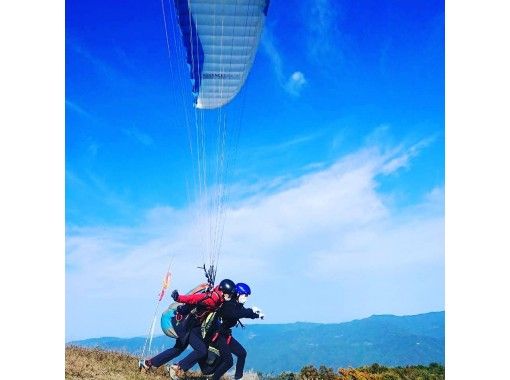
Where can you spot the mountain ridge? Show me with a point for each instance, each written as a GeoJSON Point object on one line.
{"type": "Point", "coordinates": [385, 339]}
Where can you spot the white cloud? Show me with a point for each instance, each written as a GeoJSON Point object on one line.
{"type": "Point", "coordinates": [269, 47]}
{"type": "Point", "coordinates": [94, 187]}
{"type": "Point", "coordinates": [328, 229]}
{"type": "Point", "coordinates": [295, 83]}
{"type": "Point", "coordinates": [78, 109]}
{"type": "Point", "coordinates": [93, 148]}
{"type": "Point", "coordinates": [403, 160]}
{"type": "Point", "coordinates": [99, 65]}
{"type": "Point", "coordinates": [321, 18]}
{"type": "Point", "coordinates": [138, 136]}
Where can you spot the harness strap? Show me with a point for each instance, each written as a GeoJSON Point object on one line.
{"type": "Point", "coordinates": [217, 334]}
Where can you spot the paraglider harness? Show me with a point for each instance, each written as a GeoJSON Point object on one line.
{"type": "Point", "coordinates": [226, 333]}
{"type": "Point", "coordinates": [185, 314]}
{"type": "Point", "coordinates": [201, 314]}
{"type": "Point", "coordinates": [212, 326]}
{"type": "Point", "coordinates": [229, 336]}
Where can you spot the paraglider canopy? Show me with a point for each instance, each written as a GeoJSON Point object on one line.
{"type": "Point", "coordinates": [221, 40]}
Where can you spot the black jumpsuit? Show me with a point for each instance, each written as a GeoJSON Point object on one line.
{"type": "Point", "coordinates": [230, 313]}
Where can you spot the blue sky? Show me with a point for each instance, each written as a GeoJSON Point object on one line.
{"type": "Point", "coordinates": [337, 190]}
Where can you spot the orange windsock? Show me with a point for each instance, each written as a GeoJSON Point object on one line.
{"type": "Point", "coordinates": [166, 284]}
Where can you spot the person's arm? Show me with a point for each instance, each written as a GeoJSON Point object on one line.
{"type": "Point", "coordinates": [209, 300]}
{"type": "Point", "coordinates": [249, 313]}
{"type": "Point", "coordinates": [192, 299]}
{"type": "Point", "coordinates": [230, 311]}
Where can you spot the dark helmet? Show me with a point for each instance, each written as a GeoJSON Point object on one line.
{"type": "Point", "coordinates": [227, 286]}
{"type": "Point", "coordinates": [243, 288]}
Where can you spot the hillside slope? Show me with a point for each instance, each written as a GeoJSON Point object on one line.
{"type": "Point", "coordinates": [83, 363]}
{"type": "Point", "coordinates": [385, 339]}
{"type": "Point", "coordinates": [92, 363]}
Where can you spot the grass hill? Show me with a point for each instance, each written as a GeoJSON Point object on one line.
{"type": "Point", "coordinates": [93, 363]}
{"type": "Point", "coordinates": [385, 339]}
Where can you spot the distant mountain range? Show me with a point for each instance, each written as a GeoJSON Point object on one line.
{"type": "Point", "coordinates": [273, 348]}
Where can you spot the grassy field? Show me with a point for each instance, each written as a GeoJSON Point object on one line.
{"type": "Point", "coordinates": [94, 363]}
{"type": "Point", "coordinates": [86, 363]}
{"type": "Point", "coordinates": [82, 363]}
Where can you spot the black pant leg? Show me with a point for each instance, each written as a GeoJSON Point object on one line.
{"type": "Point", "coordinates": [199, 349]}
{"type": "Point", "coordinates": [167, 355]}
{"type": "Point", "coordinates": [238, 350]}
{"type": "Point", "coordinates": [226, 361]}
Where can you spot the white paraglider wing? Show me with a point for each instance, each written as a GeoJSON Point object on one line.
{"type": "Point", "coordinates": [221, 39]}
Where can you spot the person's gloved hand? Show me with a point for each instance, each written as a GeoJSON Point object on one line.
{"type": "Point", "coordinates": [175, 295]}
{"type": "Point", "coordinates": [258, 311]}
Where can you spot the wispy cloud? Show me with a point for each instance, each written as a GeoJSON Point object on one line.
{"type": "Point", "coordinates": [269, 47]}
{"type": "Point", "coordinates": [323, 37]}
{"type": "Point", "coordinates": [73, 106]}
{"type": "Point", "coordinates": [101, 66]}
{"type": "Point", "coordinates": [138, 136]}
{"type": "Point", "coordinates": [328, 229]}
{"type": "Point", "coordinates": [93, 148]}
{"type": "Point", "coordinates": [123, 58]}
{"type": "Point", "coordinates": [295, 83]}
{"type": "Point", "coordinates": [292, 84]}
{"type": "Point", "coordinates": [403, 160]}
{"type": "Point", "coordinates": [294, 142]}
{"type": "Point", "coordinates": [91, 187]}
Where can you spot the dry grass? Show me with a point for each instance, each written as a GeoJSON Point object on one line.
{"type": "Point", "coordinates": [93, 363]}
{"type": "Point", "coordinates": [88, 363]}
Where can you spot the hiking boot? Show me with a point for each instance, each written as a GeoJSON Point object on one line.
{"type": "Point", "coordinates": [144, 364]}
{"type": "Point", "coordinates": [176, 373]}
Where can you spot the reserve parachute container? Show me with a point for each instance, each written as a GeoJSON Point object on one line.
{"type": "Point", "coordinates": [167, 325]}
